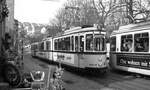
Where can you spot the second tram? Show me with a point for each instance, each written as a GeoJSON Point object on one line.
{"type": "Point", "coordinates": [129, 50]}
{"type": "Point", "coordinates": [78, 47]}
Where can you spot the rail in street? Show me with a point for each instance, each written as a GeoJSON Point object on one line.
{"type": "Point", "coordinates": [113, 80]}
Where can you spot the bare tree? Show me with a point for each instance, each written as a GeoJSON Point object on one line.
{"type": "Point", "coordinates": [135, 10]}
{"type": "Point", "coordinates": [141, 10]}
{"type": "Point", "coordinates": [77, 13]}
{"type": "Point", "coordinates": [109, 14]}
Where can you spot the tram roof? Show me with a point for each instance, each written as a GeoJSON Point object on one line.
{"type": "Point", "coordinates": [132, 28]}
{"type": "Point", "coordinates": [76, 30]}
{"type": "Point", "coordinates": [34, 43]}
{"type": "Point", "coordinates": [80, 30]}
{"type": "Point", "coordinates": [48, 38]}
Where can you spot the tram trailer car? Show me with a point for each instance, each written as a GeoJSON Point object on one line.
{"type": "Point", "coordinates": [34, 48]}
{"type": "Point", "coordinates": [129, 50]}
{"type": "Point", "coordinates": [78, 47]}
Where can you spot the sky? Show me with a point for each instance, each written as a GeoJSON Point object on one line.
{"type": "Point", "coordinates": [37, 11]}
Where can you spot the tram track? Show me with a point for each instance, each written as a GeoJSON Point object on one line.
{"type": "Point", "coordinates": [116, 80]}
{"type": "Point", "coordinates": [119, 80]}
{"type": "Point", "coordinates": [126, 82]}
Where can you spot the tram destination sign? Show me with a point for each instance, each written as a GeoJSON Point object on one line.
{"type": "Point", "coordinates": [134, 60]}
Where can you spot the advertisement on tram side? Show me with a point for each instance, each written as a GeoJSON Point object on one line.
{"type": "Point", "coordinates": [68, 58]}
{"type": "Point", "coordinates": [136, 61]}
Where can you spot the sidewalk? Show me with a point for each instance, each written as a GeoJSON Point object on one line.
{"type": "Point", "coordinates": [31, 64]}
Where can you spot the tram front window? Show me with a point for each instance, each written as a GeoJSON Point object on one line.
{"type": "Point", "coordinates": [81, 43]}
{"type": "Point", "coordinates": [99, 43]}
{"type": "Point", "coordinates": [89, 42]}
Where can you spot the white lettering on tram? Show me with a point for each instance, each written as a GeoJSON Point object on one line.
{"type": "Point", "coordinates": [122, 61]}
{"type": "Point", "coordinates": [133, 62]}
{"type": "Point", "coordinates": [144, 64]}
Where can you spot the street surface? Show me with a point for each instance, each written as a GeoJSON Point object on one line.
{"type": "Point", "coordinates": [83, 81]}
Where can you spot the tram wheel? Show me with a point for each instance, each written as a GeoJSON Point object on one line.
{"type": "Point", "coordinates": [12, 75]}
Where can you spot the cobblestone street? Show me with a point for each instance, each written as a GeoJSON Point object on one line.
{"type": "Point", "coordinates": [77, 81]}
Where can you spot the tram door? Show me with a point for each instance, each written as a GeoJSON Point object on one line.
{"type": "Point", "coordinates": [81, 62]}
{"type": "Point", "coordinates": [79, 43]}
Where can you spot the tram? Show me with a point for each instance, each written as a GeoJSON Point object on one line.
{"type": "Point", "coordinates": [129, 49]}
{"type": "Point", "coordinates": [34, 48]}
{"type": "Point", "coordinates": [79, 47]}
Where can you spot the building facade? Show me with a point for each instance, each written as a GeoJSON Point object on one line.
{"type": "Point", "coordinates": [6, 18]}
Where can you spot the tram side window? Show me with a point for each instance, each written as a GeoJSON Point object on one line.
{"type": "Point", "coordinates": [59, 44]}
{"type": "Point", "coordinates": [141, 42]}
{"type": "Point", "coordinates": [32, 47]}
{"type": "Point", "coordinates": [126, 43]}
{"type": "Point", "coordinates": [63, 45]}
{"type": "Point", "coordinates": [113, 44]}
{"type": "Point", "coordinates": [48, 45]}
{"type": "Point", "coordinates": [81, 43]}
{"type": "Point", "coordinates": [56, 44]}
{"type": "Point", "coordinates": [76, 43]}
{"type": "Point", "coordinates": [67, 43]}
{"type": "Point", "coordinates": [42, 46]}
{"type": "Point", "coordinates": [89, 42]}
{"type": "Point", "coordinates": [35, 47]}
{"type": "Point", "coordinates": [72, 43]}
